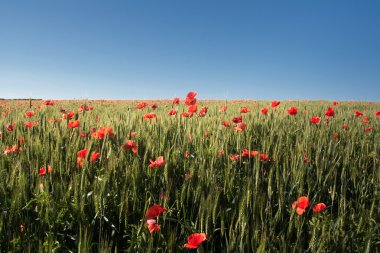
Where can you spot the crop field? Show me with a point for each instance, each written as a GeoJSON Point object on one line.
{"type": "Point", "coordinates": [188, 175]}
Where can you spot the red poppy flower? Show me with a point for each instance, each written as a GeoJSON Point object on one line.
{"type": "Point", "coordinates": [223, 108]}
{"type": "Point", "coordinates": [191, 94]}
{"type": "Point", "coordinates": [10, 127]}
{"type": "Point", "coordinates": [158, 163]}
{"type": "Point", "coordinates": [335, 103]}
{"type": "Point", "coordinates": [226, 124]}
{"type": "Point", "coordinates": [192, 109]}
{"type": "Point", "coordinates": [83, 134]}
{"type": "Point", "coordinates": [29, 114]}
{"type": "Point", "coordinates": [315, 120]}
{"type": "Point", "coordinates": [69, 115]}
{"type": "Point", "coordinates": [172, 112]}
{"type": "Point", "coordinates": [306, 159]}
{"type": "Point", "coordinates": [28, 124]}
{"type": "Point", "coordinates": [263, 157]}
{"type": "Point", "coordinates": [252, 153]}
{"type": "Point", "coordinates": [42, 170]}
{"type": "Point", "coordinates": [274, 104]}
{"type": "Point", "coordinates": [302, 203]}
{"type": "Point", "coordinates": [176, 101]}
{"type": "Point", "coordinates": [13, 149]}
{"type": "Point", "coordinates": [330, 112]}
{"type": "Point", "coordinates": [110, 132]}
{"type": "Point", "coordinates": [234, 157]}
{"type": "Point", "coordinates": [149, 115]}
{"type": "Point", "coordinates": [245, 152]}
{"type": "Point", "coordinates": [31, 124]}
{"type": "Point", "coordinates": [377, 114]}
{"type": "Point", "coordinates": [202, 112]}
{"type": "Point", "coordinates": [239, 127]}
{"type": "Point", "coordinates": [366, 120]}
{"type": "Point", "coordinates": [154, 106]}
{"type": "Point", "coordinates": [99, 134]}
{"type": "Point", "coordinates": [83, 107]}
{"type": "Point", "coordinates": [335, 136]}
{"type": "Point", "coordinates": [244, 110]}
{"type": "Point", "coordinates": [264, 111]}
{"type": "Point", "coordinates": [130, 144]}
{"type": "Point", "coordinates": [190, 98]}
{"type": "Point", "coordinates": [82, 153]}
{"type": "Point", "coordinates": [48, 102]}
{"type": "Point", "coordinates": [141, 105]}
{"type": "Point", "coordinates": [368, 129]}
{"type": "Point", "coordinates": [190, 101]}
{"type": "Point", "coordinates": [344, 127]}
{"type": "Point", "coordinates": [358, 113]}
{"type": "Point", "coordinates": [292, 110]}
{"type": "Point", "coordinates": [237, 119]}
{"type": "Point", "coordinates": [194, 240]}
{"type": "Point", "coordinates": [102, 132]}
{"type": "Point", "coordinates": [186, 115]}
{"type": "Point", "coordinates": [80, 162]}
{"type": "Point", "coordinates": [319, 207]}
{"type": "Point", "coordinates": [154, 211]}
{"type": "Point", "coordinates": [152, 226]}
{"type": "Point", "coordinates": [94, 156]}
{"type": "Point", "coordinates": [74, 124]}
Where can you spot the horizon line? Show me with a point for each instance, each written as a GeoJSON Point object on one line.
{"type": "Point", "coordinates": [203, 99]}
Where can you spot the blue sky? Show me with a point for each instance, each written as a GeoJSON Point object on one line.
{"type": "Point", "coordinates": [160, 49]}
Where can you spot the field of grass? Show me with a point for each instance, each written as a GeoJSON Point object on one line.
{"type": "Point", "coordinates": [54, 199]}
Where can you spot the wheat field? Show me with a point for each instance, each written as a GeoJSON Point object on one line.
{"type": "Point", "coordinates": [83, 176]}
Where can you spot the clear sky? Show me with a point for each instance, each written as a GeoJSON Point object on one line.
{"type": "Point", "coordinates": [305, 49]}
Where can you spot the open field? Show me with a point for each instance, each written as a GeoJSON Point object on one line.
{"type": "Point", "coordinates": [105, 176]}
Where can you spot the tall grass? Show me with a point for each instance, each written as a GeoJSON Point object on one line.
{"type": "Point", "coordinates": [242, 205]}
